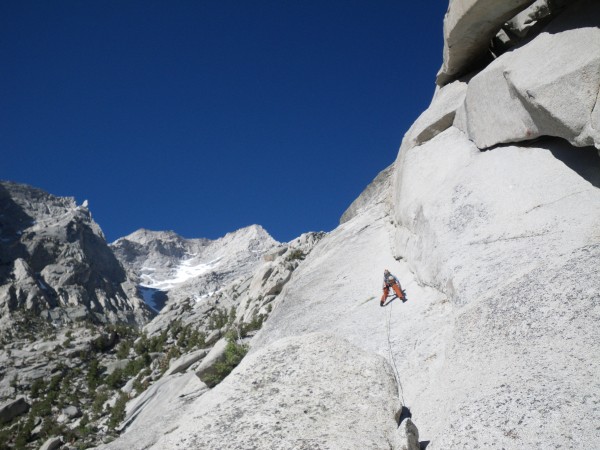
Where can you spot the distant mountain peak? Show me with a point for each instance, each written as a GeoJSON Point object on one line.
{"type": "Point", "coordinates": [166, 262]}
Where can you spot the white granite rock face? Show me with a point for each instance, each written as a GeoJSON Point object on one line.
{"type": "Point", "coordinates": [375, 190]}
{"type": "Point", "coordinates": [497, 256]}
{"type": "Point", "coordinates": [450, 198]}
{"type": "Point", "coordinates": [156, 411]}
{"type": "Point", "coordinates": [439, 116]}
{"type": "Point", "coordinates": [336, 290]}
{"type": "Point", "coordinates": [313, 392]}
{"type": "Point", "coordinates": [510, 236]}
{"type": "Point", "coordinates": [548, 87]}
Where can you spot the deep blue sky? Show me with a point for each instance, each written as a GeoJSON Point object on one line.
{"type": "Point", "coordinates": [206, 116]}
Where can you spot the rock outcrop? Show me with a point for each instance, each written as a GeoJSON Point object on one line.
{"type": "Point", "coordinates": [440, 114]}
{"type": "Point", "coordinates": [469, 26]}
{"type": "Point", "coordinates": [317, 391]}
{"type": "Point", "coordinates": [477, 31]}
{"type": "Point", "coordinates": [525, 93]}
{"type": "Point", "coordinates": [55, 262]}
{"type": "Point", "coordinates": [53, 443]}
{"type": "Point", "coordinates": [374, 190]}
{"type": "Point", "coordinates": [12, 409]}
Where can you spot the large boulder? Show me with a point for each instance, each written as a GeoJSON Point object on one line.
{"type": "Point", "coordinates": [53, 443]}
{"type": "Point", "coordinates": [120, 364]}
{"type": "Point", "coordinates": [548, 87]}
{"type": "Point", "coordinates": [184, 362]}
{"type": "Point", "coordinates": [13, 408]}
{"type": "Point", "coordinates": [72, 412]}
{"type": "Point", "coordinates": [206, 369]}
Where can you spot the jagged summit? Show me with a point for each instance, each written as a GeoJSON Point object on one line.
{"type": "Point", "coordinates": [145, 236]}
{"type": "Point", "coordinates": [54, 260]}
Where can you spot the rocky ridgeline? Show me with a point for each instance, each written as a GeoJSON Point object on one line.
{"type": "Point", "coordinates": [62, 294]}
{"type": "Point", "coordinates": [56, 264]}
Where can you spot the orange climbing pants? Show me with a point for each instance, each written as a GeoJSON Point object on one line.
{"type": "Point", "coordinates": [386, 291]}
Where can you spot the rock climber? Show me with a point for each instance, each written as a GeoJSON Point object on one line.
{"type": "Point", "coordinates": [390, 281]}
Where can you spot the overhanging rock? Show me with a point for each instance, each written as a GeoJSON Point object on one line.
{"type": "Point", "coordinates": [548, 87]}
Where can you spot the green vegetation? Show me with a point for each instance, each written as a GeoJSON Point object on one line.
{"type": "Point", "coordinates": [140, 383]}
{"type": "Point", "coordinates": [89, 387]}
{"type": "Point", "coordinates": [123, 350]}
{"type": "Point", "coordinates": [234, 353]}
{"type": "Point", "coordinates": [145, 345]}
{"type": "Point", "coordinates": [296, 254]}
{"type": "Point", "coordinates": [100, 399]}
{"type": "Point", "coordinates": [117, 413]}
{"type": "Point", "coordinates": [93, 375]}
{"type": "Point", "coordinates": [255, 324]}
{"type": "Point", "coordinates": [38, 387]}
{"type": "Point", "coordinates": [218, 319]}
{"type": "Point", "coordinates": [24, 434]}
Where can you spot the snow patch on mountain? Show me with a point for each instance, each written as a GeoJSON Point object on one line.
{"type": "Point", "coordinates": [187, 269]}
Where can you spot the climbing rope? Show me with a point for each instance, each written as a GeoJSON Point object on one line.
{"type": "Point", "coordinates": [391, 355]}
